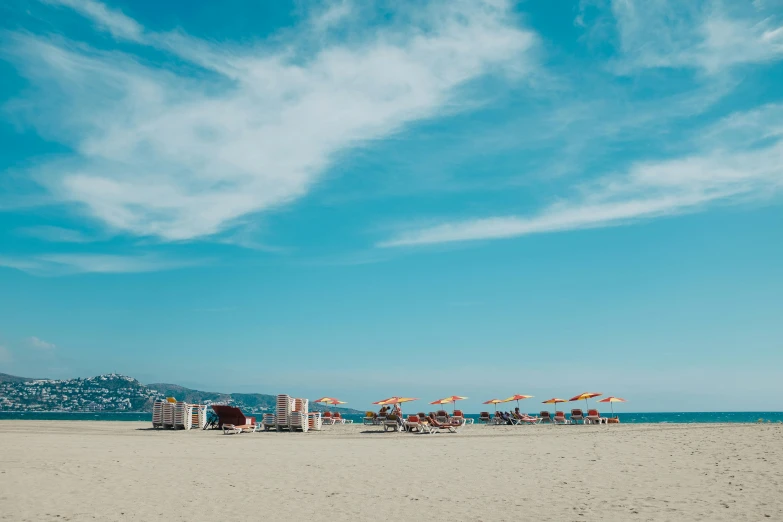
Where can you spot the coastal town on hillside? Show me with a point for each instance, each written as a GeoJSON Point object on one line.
{"type": "Point", "coordinates": [104, 393]}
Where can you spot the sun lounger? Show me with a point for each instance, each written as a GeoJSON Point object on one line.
{"type": "Point", "coordinates": [438, 426]}
{"type": "Point", "coordinates": [337, 418]}
{"type": "Point", "coordinates": [593, 417]}
{"type": "Point", "coordinates": [390, 423]}
{"type": "Point", "coordinates": [415, 423]}
{"type": "Point", "coordinates": [441, 416]}
{"type": "Point", "coordinates": [577, 416]}
{"type": "Point", "coordinates": [328, 420]}
{"type": "Point", "coordinates": [458, 415]}
{"type": "Point", "coordinates": [369, 419]}
{"type": "Point", "coordinates": [484, 417]}
{"type": "Point", "coordinates": [232, 415]}
{"type": "Point", "coordinates": [268, 421]}
{"type": "Point", "coordinates": [545, 417]}
{"type": "Point", "coordinates": [560, 418]}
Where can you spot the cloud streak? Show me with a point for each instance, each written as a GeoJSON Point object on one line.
{"type": "Point", "coordinates": [648, 190]}
{"type": "Point", "coordinates": [164, 153]}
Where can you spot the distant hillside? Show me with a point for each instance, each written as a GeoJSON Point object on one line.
{"type": "Point", "coordinates": [252, 401]}
{"type": "Point", "coordinates": [4, 377]}
{"type": "Point", "coordinates": [116, 393]}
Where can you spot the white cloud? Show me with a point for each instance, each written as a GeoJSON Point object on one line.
{"type": "Point", "coordinates": [164, 153]}
{"type": "Point", "coordinates": [119, 25]}
{"type": "Point", "coordinates": [5, 355]}
{"type": "Point", "coordinates": [67, 264]}
{"type": "Point", "coordinates": [709, 36]}
{"type": "Point", "coordinates": [56, 234]}
{"type": "Point", "coordinates": [40, 344]}
{"type": "Point", "coordinates": [649, 189]}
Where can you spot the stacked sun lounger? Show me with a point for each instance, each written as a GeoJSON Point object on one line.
{"type": "Point", "coordinates": [198, 416]}
{"type": "Point", "coordinates": [157, 414]}
{"type": "Point", "coordinates": [314, 420]}
{"type": "Point", "coordinates": [182, 418]}
{"type": "Point", "coordinates": [297, 419]}
{"type": "Point", "coordinates": [268, 421]}
{"type": "Point", "coordinates": [284, 407]}
{"type": "Point", "coordinates": [168, 415]}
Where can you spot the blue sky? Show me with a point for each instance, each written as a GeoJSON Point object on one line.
{"type": "Point", "coordinates": [369, 199]}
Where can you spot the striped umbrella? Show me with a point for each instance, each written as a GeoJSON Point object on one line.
{"type": "Point", "coordinates": [610, 400]}
{"type": "Point", "coordinates": [585, 396]}
{"type": "Point", "coordinates": [453, 399]}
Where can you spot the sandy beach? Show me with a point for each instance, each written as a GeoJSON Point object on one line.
{"type": "Point", "coordinates": [127, 471]}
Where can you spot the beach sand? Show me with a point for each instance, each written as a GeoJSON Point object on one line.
{"type": "Point", "coordinates": [52, 470]}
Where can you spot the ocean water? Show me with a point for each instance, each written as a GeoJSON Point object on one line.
{"type": "Point", "coordinates": [625, 418]}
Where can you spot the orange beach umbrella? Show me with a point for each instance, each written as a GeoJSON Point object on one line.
{"type": "Point", "coordinates": [610, 400]}
{"type": "Point", "coordinates": [554, 401]}
{"type": "Point", "coordinates": [330, 400]}
{"type": "Point", "coordinates": [394, 400]}
{"type": "Point", "coordinates": [585, 396]}
{"type": "Point", "coordinates": [495, 402]}
{"type": "Point", "coordinates": [453, 399]}
{"type": "Point", "coordinates": [517, 398]}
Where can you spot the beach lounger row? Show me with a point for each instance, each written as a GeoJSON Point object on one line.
{"type": "Point", "coordinates": [180, 415]}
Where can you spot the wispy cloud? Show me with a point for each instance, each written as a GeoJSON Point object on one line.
{"type": "Point", "coordinates": [161, 153]}
{"type": "Point", "coordinates": [56, 234]}
{"type": "Point", "coordinates": [67, 264]}
{"type": "Point", "coordinates": [709, 36]}
{"type": "Point", "coordinates": [112, 20]}
{"type": "Point", "coordinates": [40, 344]}
{"type": "Point", "coordinates": [647, 190]}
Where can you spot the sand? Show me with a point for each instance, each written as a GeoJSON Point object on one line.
{"type": "Point", "coordinates": [126, 471]}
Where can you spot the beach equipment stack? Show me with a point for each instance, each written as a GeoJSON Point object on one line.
{"type": "Point", "coordinates": [283, 411]}
{"type": "Point", "coordinates": [157, 413]}
{"type": "Point", "coordinates": [182, 415]}
{"type": "Point", "coordinates": [297, 419]}
{"type": "Point", "coordinates": [168, 414]}
{"type": "Point", "coordinates": [314, 420]}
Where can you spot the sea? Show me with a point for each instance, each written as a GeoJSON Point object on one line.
{"type": "Point", "coordinates": [625, 418]}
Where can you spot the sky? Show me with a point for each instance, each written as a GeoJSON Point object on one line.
{"type": "Point", "coordinates": [367, 199]}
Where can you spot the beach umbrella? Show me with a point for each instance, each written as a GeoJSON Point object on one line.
{"type": "Point", "coordinates": [395, 400]}
{"type": "Point", "coordinates": [453, 400]}
{"type": "Point", "coordinates": [495, 402]}
{"type": "Point", "coordinates": [330, 400]}
{"type": "Point", "coordinates": [610, 400]}
{"type": "Point", "coordinates": [585, 396]}
{"type": "Point", "coordinates": [518, 398]}
{"type": "Point", "coordinates": [554, 401]}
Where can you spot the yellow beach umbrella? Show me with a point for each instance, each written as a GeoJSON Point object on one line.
{"type": "Point", "coordinates": [495, 402]}
{"type": "Point", "coordinates": [610, 400]}
{"type": "Point", "coordinates": [554, 401]}
{"type": "Point", "coordinates": [518, 398]}
{"type": "Point", "coordinates": [585, 396]}
{"type": "Point", "coordinates": [453, 399]}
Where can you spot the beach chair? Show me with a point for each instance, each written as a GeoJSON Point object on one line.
{"type": "Point", "coordinates": [560, 418]}
{"type": "Point", "coordinates": [485, 417]}
{"type": "Point", "coordinates": [460, 417]}
{"type": "Point", "coordinates": [369, 418]}
{"type": "Point", "coordinates": [577, 416]}
{"type": "Point", "coordinates": [437, 426]}
{"type": "Point", "coordinates": [337, 418]}
{"type": "Point", "coordinates": [415, 423]}
{"type": "Point", "coordinates": [545, 417]}
{"type": "Point", "coordinates": [442, 416]}
{"type": "Point", "coordinates": [233, 416]}
{"type": "Point", "coordinates": [390, 423]}
{"type": "Point", "coordinates": [593, 417]}
{"type": "Point", "coordinates": [327, 418]}
{"type": "Point", "coordinates": [527, 419]}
